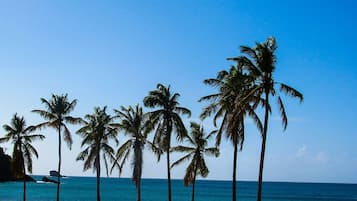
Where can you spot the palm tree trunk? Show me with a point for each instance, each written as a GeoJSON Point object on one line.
{"type": "Point", "coordinates": [59, 163]}
{"type": "Point", "coordinates": [168, 172]}
{"type": "Point", "coordinates": [98, 177]}
{"type": "Point", "coordinates": [235, 156]}
{"type": "Point", "coordinates": [24, 181]}
{"type": "Point", "coordinates": [168, 134]}
{"type": "Point", "coordinates": [262, 153]}
{"type": "Point", "coordinates": [193, 183]}
{"type": "Point", "coordinates": [138, 189]}
{"type": "Point", "coordinates": [24, 172]}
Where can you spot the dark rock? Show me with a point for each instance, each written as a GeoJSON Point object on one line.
{"type": "Point", "coordinates": [54, 173]}
{"type": "Point", "coordinates": [46, 179]}
{"type": "Point", "coordinates": [6, 173]}
{"type": "Point", "coordinates": [28, 179]}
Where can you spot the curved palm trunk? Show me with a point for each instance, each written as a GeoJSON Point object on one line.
{"type": "Point", "coordinates": [98, 177]}
{"type": "Point", "coordinates": [262, 153]}
{"type": "Point", "coordinates": [59, 163]}
{"type": "Point", "coordinates": [234, 181]}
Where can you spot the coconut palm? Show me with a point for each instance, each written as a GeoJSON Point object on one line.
{"type": "Point", "coordinates": [23, 149]}
{"type": "Point", "coordinates": [199, 141]}
{"type": "Point", "coordinates": [230, 105]}
{"type": "Point", "coordinates": [56, 114]}
{"type": "Point", "coordinates": [137, 125]}
{"type": "Point", "coordinates": [260, 63]}
{"type": "Point", "coordinates": [97, 132]}
{"type": "Point", "coordinates": [167, 120]}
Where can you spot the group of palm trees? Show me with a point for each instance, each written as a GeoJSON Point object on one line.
{"type": "Point", "coordinates": [240, 91]}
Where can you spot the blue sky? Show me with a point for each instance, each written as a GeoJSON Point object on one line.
{"type": "Point", "coordinates": [113, 52]}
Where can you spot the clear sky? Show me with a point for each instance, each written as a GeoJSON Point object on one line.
{"type": "Point", "coordinates": [113, 52]}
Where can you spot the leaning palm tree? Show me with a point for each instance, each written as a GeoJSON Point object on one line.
{"type": "Point", "coordinates": [199, 140]}
{"type": "Point", "coordinates": [57, 115]}
{"type": "Point", "coordinates": [97, 132]}
{"type": "Point", "coordinates": [230, 105]}
{"type": "Point", "coordinates": [23, 149]}
{"type": "Point", "coordinates": [135, 123]}
{"type": "Point", "coordinates": [167, 118]}
{"type": "Point", "coordinates": [260, 63]}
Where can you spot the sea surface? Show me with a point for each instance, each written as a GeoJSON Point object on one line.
{"type": "Point", "coordinates": [122, 189]}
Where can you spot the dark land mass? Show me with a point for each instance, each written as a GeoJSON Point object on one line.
{"type": "Point", "coordinates": [6, 172]}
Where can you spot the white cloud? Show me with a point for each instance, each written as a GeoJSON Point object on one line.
{"type": "Point", "coordinates": [301, 152]}
{"type": "Point", "coordinates": [322, 157]}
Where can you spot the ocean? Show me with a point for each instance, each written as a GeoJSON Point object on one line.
{"type": "Point", "coordinates": [122, 189]}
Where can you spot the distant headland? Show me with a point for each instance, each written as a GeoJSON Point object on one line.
{"type": "Point", "coordinates": [6, 171]}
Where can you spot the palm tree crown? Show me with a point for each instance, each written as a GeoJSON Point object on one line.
{"type": "Point", "coordinates": [57, 115]}
{"type": "Point", "coordinates": [23, 150]}
{"type": "Point", "coordinates": [231, 104]}
{"type": "Point", "coordinates": [137, 125]}
{"type": "Point", "coordinates": [167, 118]}
{"type": "Point", "coordinates": [260, 63]}
{"type": "Point", "coordinates": [97, 132]}
{"type": "Point", "coordinates": [199, 141]}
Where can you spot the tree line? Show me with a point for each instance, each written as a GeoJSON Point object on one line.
{"type": "Point", "coordinates": [239, 91]}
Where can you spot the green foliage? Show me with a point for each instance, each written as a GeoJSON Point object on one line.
{"type": "Point", "coordinates": [167, 116]}
{"type": "Point", "coordinates": [259, 63]}
{"type": "Point", "coordinates": [137, 125]}
{"type": "Point", "coordinates": [196, 152]}
{"type": "Point", "coordinates": [231, 103]}
{"type": "Point", "coordinates": [56, 114]}
{"type": "Point", "coordinates": [21, 137]}
{"type": "Point", "coordinates": [97, 132]}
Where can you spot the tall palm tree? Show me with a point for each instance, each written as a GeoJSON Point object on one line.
{"type": "Point", "coordinates": [23, 149]}
{"type": "Point", "coordinates": [260, 63]}
{"type": "Point", "coordinates": [199, 141]}
{"type": "Point", "coordinates": [230, 104]}
{"type": "Point", "coordinates": [167, 118]}
{"type": "Point", "coordinates": [97, 132]}
{"type": "Point", "coordinates": [56, 114]}
{"type": "Point", "coordinates": [136, 124]}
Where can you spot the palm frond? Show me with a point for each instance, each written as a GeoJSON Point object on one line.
{"type": "Point", "coordinates": [73, 120]}
{"type": "Point", "coordinates": [67, 137]}
{"type": "Point", "coordinates": [283, 115]}
{"type": "Point", "coordinates": [181, 160]}
{"type": "Point", "coordinates": [45, 114]}
{"type": "Point", "coordinates": [181, 148]}
{"type": "Point", "coordinates": [291, 92]}
{"type": "Point", "coordinates": [212, 151]}
{"type": "Point", "coordinates": [183, 110]}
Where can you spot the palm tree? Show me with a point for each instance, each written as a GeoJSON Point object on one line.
{"type": "Point", "coordinates": [167, 118]}
{"type": "Point", "coordinates": [23, 149]}
{"type": "Point", "coordinates": [199, 140]}
{"type": "Point", "coordinates": [136, 124]}
{"type": "Point", "coordinates": [260, 63]}
{"type": "Point", "coordinates": [56, 116]}
{"type": "Point", "coordinates": [230, 104]}
{"type": "Point", "coordinates": [97, 132]}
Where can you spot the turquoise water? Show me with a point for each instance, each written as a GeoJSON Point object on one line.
{"type": "Point", "coordinates": [84, 189]}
